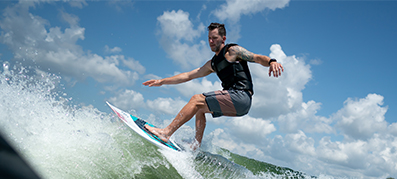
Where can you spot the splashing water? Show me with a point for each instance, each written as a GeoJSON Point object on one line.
{"type": "Point", "coordinates": [60, 141]}
{"type": "Point", "coordinates": [63, 141]}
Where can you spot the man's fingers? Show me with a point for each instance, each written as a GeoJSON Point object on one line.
{"type": "Point", "coordinates": [149, 83]}
{"type": "Point", "coordinates": [146, 83]}
{"type": "Point", "coordinates": [276, 70]}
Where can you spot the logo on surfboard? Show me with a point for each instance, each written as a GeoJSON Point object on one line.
{"type": "Point", "coordinates": [120, 116]}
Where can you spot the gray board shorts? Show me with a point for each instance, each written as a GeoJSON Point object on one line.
{"type": "Point", "coordinates": [232, 102]}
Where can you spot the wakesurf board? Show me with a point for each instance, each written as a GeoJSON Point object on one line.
{"type": "Point", "coordinates": [138, 126]}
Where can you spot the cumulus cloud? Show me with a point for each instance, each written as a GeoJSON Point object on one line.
{"type": "Point", "coordinates": [282, 95]}
{"type": "Point", "coordinates": [360, 119]}
{"type": "Point", "coordinates": [166, 105]}
{"type": "Point", "coordinates": [305, 119]}
{"type": "Point", "coordinates": [300, 143]}
{"type": "Point", "coordinates": [56, 50]}
{"type": "Point", "coordinates": [176, 24]}
{"type": "Point", "coordinates": [233, 9]}
{"type": "Point", "coordinates": [250, 129]}
{"type": "Point", "coordinates": [128, 100]}
{"type": "Point", "coordinates": [177, 38]}
{"type": "Point", "coordinates": [375, 157]}
{"type": "Point", "coordinates": [132, 100]}
{"type": "Point", "coordinates": [372, 153]}
{"type": "Point", "coordinates": [133, 64]}
{"type": "Point", "coordinates": [193, 87]}
{"type": "Point", "coordinates": [393, 129]}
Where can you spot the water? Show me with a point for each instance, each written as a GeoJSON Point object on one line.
{"type": "Point", "coordinates": [60, 140]}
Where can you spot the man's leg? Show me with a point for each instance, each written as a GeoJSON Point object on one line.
{"type": "Point", "coordinates": [196, 103]}
{"type": "Point", "coordinates": [200, 126]}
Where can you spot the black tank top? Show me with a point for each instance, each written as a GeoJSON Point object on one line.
{"type": "Point", "coordinates": [234, 75]}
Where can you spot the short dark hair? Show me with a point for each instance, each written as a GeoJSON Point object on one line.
{"type": "Point", "coordinates": [220, 27]}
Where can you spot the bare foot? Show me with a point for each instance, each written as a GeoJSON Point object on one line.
{"type": "Point", "coordinates": [158, 132]}
{"type": "Point", "coordinates": [195, 145]}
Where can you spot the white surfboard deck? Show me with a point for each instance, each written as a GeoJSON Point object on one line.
{"type": "Point", "coordinates": [138, 126]}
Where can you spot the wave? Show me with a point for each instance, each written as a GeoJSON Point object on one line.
{"type": "Point", "coordinates": [60, 140]}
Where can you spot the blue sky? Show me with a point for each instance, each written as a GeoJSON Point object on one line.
{"type": "Point", "coordinates": [332, 112]}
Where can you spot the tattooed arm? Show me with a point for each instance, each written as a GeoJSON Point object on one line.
{"type": "Point", "coordinates": [239, 53]}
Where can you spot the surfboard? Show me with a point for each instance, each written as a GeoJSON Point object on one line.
{"type": "Point", "coordinates": [138, 126]}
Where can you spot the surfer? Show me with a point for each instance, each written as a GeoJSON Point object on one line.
{"type": "Point", "coordinates": [230, 64]}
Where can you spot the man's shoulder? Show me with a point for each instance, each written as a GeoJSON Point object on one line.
{"type": "Point", "coordinates": [230, 47]}
{"type": "Point", "coordinates": [240, 53]}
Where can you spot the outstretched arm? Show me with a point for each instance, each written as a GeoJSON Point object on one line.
{"type": "Point", "coordinates": [238, 52]}
{"type": "Point", "coordinates": [205, 70]}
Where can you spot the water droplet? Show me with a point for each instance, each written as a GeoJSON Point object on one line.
{"type": "Point", "coordinates": [6, 66]}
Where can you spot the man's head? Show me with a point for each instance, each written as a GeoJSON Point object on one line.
{"type": "Point", "coordinates": [216, 36]}
{"type": "Point", "coordinates": [220, 27]}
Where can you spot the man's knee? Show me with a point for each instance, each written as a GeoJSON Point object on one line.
{"type": "Point", "coordinates": [198, 100]}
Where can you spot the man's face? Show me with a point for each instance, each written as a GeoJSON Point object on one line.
{"type": "Point", "coordinates": [215, 40]}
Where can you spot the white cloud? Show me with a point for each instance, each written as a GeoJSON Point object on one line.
{"type": "Point", "coordinates": [203, 8]}
{"type": "Point", "coordinates": [128, 100]}
{"type": "Point", "coordinates": [77, 3]}
{"type": "Point", "coordinates": [193, 87]}
{"type": "Point", "coordinates": [71, 19]}
{"type": "Point", "coordinates": [166, 105]}
{"type": "Point", "coordinates": [393, 129]}
{"type": "Point", "coordinates": [73, 3]}
{"type": "Point", "coordinates": [375, 158]}
{"type": "Point", "coordinates": [119, 5]}
{"type": "Point", "coordinates": [112, 50]}
{"type": "Point", "coordinates": [372, 154]}
{"type": "Point", "coordinates": [56, 50]}
{"type": "Point", "coordinates": [305, 119]}
{"type": "Point", "coordinates": [300, 143]}
{"type": "Point", "coordinates": [316, 62]}
{"type": "Point", "coordinates": [360, 119]}
{"type": "Point", "coordinates": [233, 9]}
{"type": "Point", "coordinates": [224, 139]}
{"type": "Point", "coordinates": [282, 95]}
{"type": "Point", "coordinates": [134, 65]}
{"type": "Point", "coordinates": [151, 76]}
{"type": "Point", "coordinates": [250, 129]}
{"type": "Point", "coordinates": [177, 33]}
{"type": "Point", "coordinates": [176, 25]}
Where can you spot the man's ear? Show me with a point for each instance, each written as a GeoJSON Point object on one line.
{"type": "Point", "coordinates": [224, 39]}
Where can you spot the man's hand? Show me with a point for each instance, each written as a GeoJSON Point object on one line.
{"type": "Point", "coordinates": [276, 68]}
{"type": "Point", "coordinates": [151, 83]}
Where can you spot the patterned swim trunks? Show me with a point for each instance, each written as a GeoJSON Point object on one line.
{"type": "Point", "coordinates": [228, 102]}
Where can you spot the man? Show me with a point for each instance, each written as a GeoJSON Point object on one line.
{"type": "Point", "coordinates": [230, 64]}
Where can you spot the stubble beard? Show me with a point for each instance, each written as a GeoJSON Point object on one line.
{"type": "Point", "coordinates": [216, 48]}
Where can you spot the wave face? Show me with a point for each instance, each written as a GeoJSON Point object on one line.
{"type": "Point", "coordinates": [60, 140]}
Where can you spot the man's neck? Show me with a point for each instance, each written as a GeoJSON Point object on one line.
{"type": "Point", "coordinates": [220, 49]}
